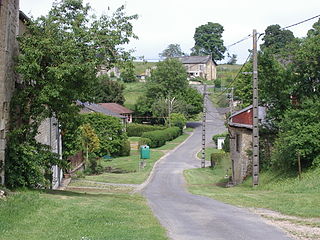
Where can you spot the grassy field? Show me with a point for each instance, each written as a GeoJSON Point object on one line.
{"type": "Point", "coordinates": [141, 67]}
{"type": "Point", "coordinates": [66, 215]}
{"type": "Point", "coordinates": [287, 195]}
{"type": "Point", "coordinates": [132, 92]}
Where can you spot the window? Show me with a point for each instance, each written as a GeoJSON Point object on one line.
{"type": "Point", "coordinates": [238, 143]}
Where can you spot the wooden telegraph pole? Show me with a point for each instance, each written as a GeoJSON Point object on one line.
{"type": "Point", "coordinates": [255, 130]}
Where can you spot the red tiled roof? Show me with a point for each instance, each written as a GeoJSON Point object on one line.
{"type": "Point", "coordinates": [117, 108]}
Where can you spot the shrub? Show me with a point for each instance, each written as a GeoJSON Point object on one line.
{"type": "Point", "coordinates": [178, 120]}
{"type": "Point", "coordinates": [144, 141]}
{"type": "Point", "coordinates": [215, 158]}
{"type": "Point", "coordinates": [125, 148]}
{"type": "Point", "coordinates": [109, 131]}
{"type": "Point", "coordinates": [159, 137]}
{"type": "Point", "coordinates": [136, 130]}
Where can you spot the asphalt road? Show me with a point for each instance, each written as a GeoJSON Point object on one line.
{"type": "Point", "coordinates": [190, 217]}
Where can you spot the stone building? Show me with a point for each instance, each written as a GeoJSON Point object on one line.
{"type": "Point", "coordinates": [9, 29]}
{"type": "Point", "coordinates": [200, 66]}
{"type": "Point", "coordinates": [240, 131]}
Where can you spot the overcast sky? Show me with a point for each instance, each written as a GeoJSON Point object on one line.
{"type": "Point", "coordinates": [162, 22]}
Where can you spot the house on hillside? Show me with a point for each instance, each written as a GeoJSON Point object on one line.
{"type": "Point", "coordinates": [119, 109]}
{"type": "Point", "coordinates": [200, 66]}
{"type": "Point", "coordinates": [240, 131]}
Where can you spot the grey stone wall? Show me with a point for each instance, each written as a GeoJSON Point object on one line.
{"type": "Point", "coordinates": [240, 148]}
{"type": "Point", "coordinates": [9, 18]}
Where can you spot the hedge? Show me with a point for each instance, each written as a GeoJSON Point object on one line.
{"type": "Point", "coordinates": [136, 130]}
{"type": "Point", "coordinates": [159, 137]}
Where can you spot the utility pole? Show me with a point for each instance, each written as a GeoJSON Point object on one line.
{"type": "Point", "coordinates": [255, 125]}
{"type": "Point", "coordinates": [203, 159]}
{"type": "Point", "coordinates": [231, 100]}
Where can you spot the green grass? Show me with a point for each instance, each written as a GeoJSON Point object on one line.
{"type": "Point", "coordinates": [66, 215]}
{"type": "Point", "coordinates": [141, 67]}
{"type": "Point", "coordinates": [132, 92]}
{"type": "Point", "coordinates": [287, 195]}
{"type": "Point", "coordinates": [130, 167]}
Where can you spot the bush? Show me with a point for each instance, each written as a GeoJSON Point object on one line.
{"type": "Point", "coordinates": [215, 158]}
{"type": "Point", "coordinates": [144, 141]}
{"type": "Point", "coordinates": [136, 130]}
{"type": "Point", "coordinates": [109, 131]}
{"type": "Point", "coordinates": [125, 148]}
{"type": "Point", "coordinates": [178, 120]}
{"type": "Point", "coordinates": [159, 137]}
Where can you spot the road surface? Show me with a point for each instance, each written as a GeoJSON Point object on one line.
{"type": "Point", "coordinates": [190, 217]}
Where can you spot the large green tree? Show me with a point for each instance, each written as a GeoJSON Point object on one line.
{"type": "Point", "coordinates": [173, 50]}
{"type": "Point", "coordinates": [208, 41]}
{"type": "Point", "coordinates": [276, 39]}
{"type": "Point", "coordinates": [58, 62]}
{"type": "Point", "coordinates": [169, 83]}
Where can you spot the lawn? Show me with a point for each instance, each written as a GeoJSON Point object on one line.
{"type": "Point", "coordinates": [65, 215]}
{"type": "Point", "coordinates": [126, 170]}
{"type": "Point", "coordinates": [287, 195]}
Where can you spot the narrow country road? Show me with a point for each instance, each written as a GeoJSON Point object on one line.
{"type": "Point", "coordinates": [190, 217]}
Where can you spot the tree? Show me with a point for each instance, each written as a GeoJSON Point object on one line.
{"type": "Point", "coordinates": [299, 134]}
{"type": "Point", "coordinates": [315, 30]}
{"type": "Point", "coordinates": [276, 39]}
{"type": "Point", "coordinates": [109, 131]}
{"type": "Point", "coordinates": [232, 60]}
{"type": "Point", "coordinates": [173, 50]}
{"type": "Point", "coordinates": [58, 62]}
{"type": "Point", "coordinates": [208, 41]}
{"type": "Point", "coordinates": [108, 90]}
{"type": "Point", "coordinates": [168, 79]}
{"type": "Point", "coordinates": [127, 72]}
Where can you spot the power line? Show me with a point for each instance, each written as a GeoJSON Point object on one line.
{"type": "Point", "coordinates": [230, 84]}
{"type": "Point", "coordinates": [303, 21]}
{"type": "Point", "coordinates": [237, 42]}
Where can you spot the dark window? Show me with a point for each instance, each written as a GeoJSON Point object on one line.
{"type": "Point", "coordinates": [238, 139]}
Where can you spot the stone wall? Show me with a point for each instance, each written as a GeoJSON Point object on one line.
{"type": "Point", "coordinates": [9, 18]}
{"type": "Point", "coordinates": [240, 151]}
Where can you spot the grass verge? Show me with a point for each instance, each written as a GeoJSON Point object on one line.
{"type": "Point", "coordinates": [126, 170]}
{"type": "Point", "coordinates": [286, 195]}
{"type": "Point", "coordinates": [65, 215]}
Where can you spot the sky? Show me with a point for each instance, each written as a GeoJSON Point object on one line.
{"type": "Point", "coordinates": [164, 22]}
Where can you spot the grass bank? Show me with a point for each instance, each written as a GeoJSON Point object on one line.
{"type": "Point", "coordinates": [287, 195]}
{"type": "Point", "coordinates": [132, 92]}
{"type": "Point", "coordinates": [65, 215]}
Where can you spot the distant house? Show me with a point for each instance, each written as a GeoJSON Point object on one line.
{"type": "Point", "coordinates": [200, 66]}
{"type": "Point", "coordinates": [240, 131]}
{"type": "Point", "coordinates": [97, 108]}
{"type": "Point", "coordinates": [119, 109]}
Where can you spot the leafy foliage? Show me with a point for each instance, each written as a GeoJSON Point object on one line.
{"type": "Point", "coordinates": [108, 90]}
{"type": "Point", "coordinates": [208, 41]}
{"type": "Point", "coordinates": [178, 120]}
{"type": "Point", "coordinates": [172, 51]}
{"type": "Point", "coordinates": [276, 39]}
{"type": "Point", "coordinates": [159, 137]}
{"type": "Point", "coordinates": [136, 130]}
{"type": "Point", "coordinates": [109, 131]}
{"type": "Point", "coordinates": [299, 133]}
{"type": "Point", "coordinates": [58, 62]}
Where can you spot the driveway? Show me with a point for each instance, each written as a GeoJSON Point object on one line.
{"type": "Point", "coordinates": [190, 217]}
